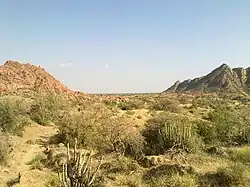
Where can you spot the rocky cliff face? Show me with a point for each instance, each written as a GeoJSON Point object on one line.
{"type": "Point", "coordinates": [15, 76]}
{"type": "Point", "coordinates": [222, 78]}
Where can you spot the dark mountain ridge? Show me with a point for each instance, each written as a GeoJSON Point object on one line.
{"type": "Point", "coordinates": [222, 78]}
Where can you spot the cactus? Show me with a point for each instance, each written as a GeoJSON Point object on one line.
{"type": "Point", "coordinates": [175, 135]}
{"type": "Point", "coordinates": [77, 171]}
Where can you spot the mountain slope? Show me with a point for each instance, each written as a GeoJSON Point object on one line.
{"type": "Point", "coordinates": [222, 78]}
{"type": "Point", "coordinates": [15, 76]}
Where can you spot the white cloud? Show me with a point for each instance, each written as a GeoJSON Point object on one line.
{"type": "Point", "coordinates": [106, 66]}
{"type": "Point", "coordinates": [65, 65]}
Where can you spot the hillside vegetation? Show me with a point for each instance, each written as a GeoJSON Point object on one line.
{"type": "Point", "coordinates": [143, 140]}
{"type": "Point", "coordinates": [51, 136]}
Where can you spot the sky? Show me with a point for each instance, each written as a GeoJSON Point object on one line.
{"type": "Point", "coordinates": [121, 46]}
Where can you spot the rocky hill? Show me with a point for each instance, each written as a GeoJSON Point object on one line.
{"type": "Point", "coordinates": [222, 78]}
{"type": "Point", "coordinates": [15, 76]}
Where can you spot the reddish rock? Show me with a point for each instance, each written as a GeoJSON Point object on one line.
{"type": "Point", "coordinates": [15, 76]}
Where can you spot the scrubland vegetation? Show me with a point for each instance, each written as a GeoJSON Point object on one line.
{"type": "Point", "coordinates": [178, 140]}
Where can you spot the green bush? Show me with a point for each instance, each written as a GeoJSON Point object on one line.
{"type": "Point", "coordinates": [231, 176]}
{"type": "Point", "coordinates": [225, 126]}
{"type": "Point", "coordinates": [53, 181]}
{"type": "Point", "coordinates": [240, 155]}
{"type": "Point", "coordinates": [99, 128]}
{"type": "Point", "coordinates": [82, 124]}
{"type": "Point", "coordinates": [168, 132]}
{"type": "Point", "coordinates": [110, 103]}
{"type": "Point", "coordinates": [207, 102]}
{"type": "Point", "coordinates": [243, 118]}
{"type": "Point", "coordinates": [166, 105]}
{"type": "Point", "coordinates": [13, 114]}
{"type": "Point", "coordinates": [133, 180]}
{"type": "Point", "coordinates": [224, 123]}
{"type": "Point", "coordinates": [131, 104]}
{"type": "Point", "coordinates": [37, 161]}
{"type": "Point", "coordinates": [130, 112]}
{"type": "Point", "coordinates": [175, 180]}
{"type": "Point", "coordinates": [207, 131]}
{"type": "Point", "coordinates": [119, 134]}
{"type": "Point", "coordinates": [76, 125]}
{"type": "Point", "coordinates": [46, 108]}
{"type": "Point", "coordinates": [184, 99]}
{"type": "Point", "coordinates": [120, 164]}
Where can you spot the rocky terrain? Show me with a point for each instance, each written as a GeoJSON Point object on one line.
{"type": "Point", "coordinates": [222, 78]}
{"type": "Point", "coordinates": [17, 77]}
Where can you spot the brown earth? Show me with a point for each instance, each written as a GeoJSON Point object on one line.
{"type": "Point", "coordinates": [23, 152]}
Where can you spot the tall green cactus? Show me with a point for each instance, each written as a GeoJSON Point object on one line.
{"type": "Point", "coordinates": [77, 171]}
{"type": "Point", "coordinates": [175, 135]}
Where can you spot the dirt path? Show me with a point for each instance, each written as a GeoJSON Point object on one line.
{"type": "Point", "coordinates": [24, 151]}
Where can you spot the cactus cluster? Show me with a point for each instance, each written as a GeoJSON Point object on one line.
{"type": "Point", "coordinates": [176, 135]}
{"type": "Point", "coordinates": [77, 171]}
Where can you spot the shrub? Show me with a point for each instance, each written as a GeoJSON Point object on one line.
{"type": "Point", "coordinates": [184, 99]}
{"type": "Point", "coordinates": [81, 125]}
{"type": "Point", "coordinates": [131, 104]}
{"type": "Point", "coordinates": [133, 180]}
{"type": "Point", "coordinates": [207, 102]}
{"type": "Point", "coordinates": [224, 126]}
{"type": "Point", "coordinates": [130, 112]}
{"type": "Point", "coordinates": [167, 170]}
{"type": "Point", "coordinates": [233, 175]}
{"type": "Point", "coordinates": [14, 181]}
{"type": "Point", "coordinates": [30, 142]}
{"type": "Point", "coordinates": [167, 105]}
{"type": "Point", "coordinates": [37, 161]}
{"type": "Point", "coordinates": [75, 125]}
{"type": "Point", "coordinates": [110, 103]}
{"type": "Point", "coordinates": [53, 181]}
{"type": "Point", "coordinates": [240, 155]}
{"type": "Point", "coordinates": [119, 134]}
{"type": "Point", "coordinates": [99, 128]}
{"type": "Point", "coordinates": [121, 164]}
{"type": "Point", "coordinates": [243, 118]}
{"type": "Point", "coordinates": [175, 180]}
{"type": "Point", "coordinates": [166, 132]}
{"type": "Point", "coordinates": [207, 131]}
{"type": "Point", "coordinates": [45, 108]}
{"type": "Point", "coordinates": [224, 123]}
{"type": "Point", "coordinates": [13, 114]}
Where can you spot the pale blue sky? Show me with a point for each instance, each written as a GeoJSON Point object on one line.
{"type": "Point", "coordinates": [125, 45]}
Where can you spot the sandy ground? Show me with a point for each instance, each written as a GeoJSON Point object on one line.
{"type": "Point", "coordinates": [24, 152]}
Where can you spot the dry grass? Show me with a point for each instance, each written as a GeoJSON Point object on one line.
{"type": "Point", "coordinates": [114, 131]}
{"type": "Point", "coordinates": [37, 162]}
{"type": "Point", "coordinates": [4, 149]}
